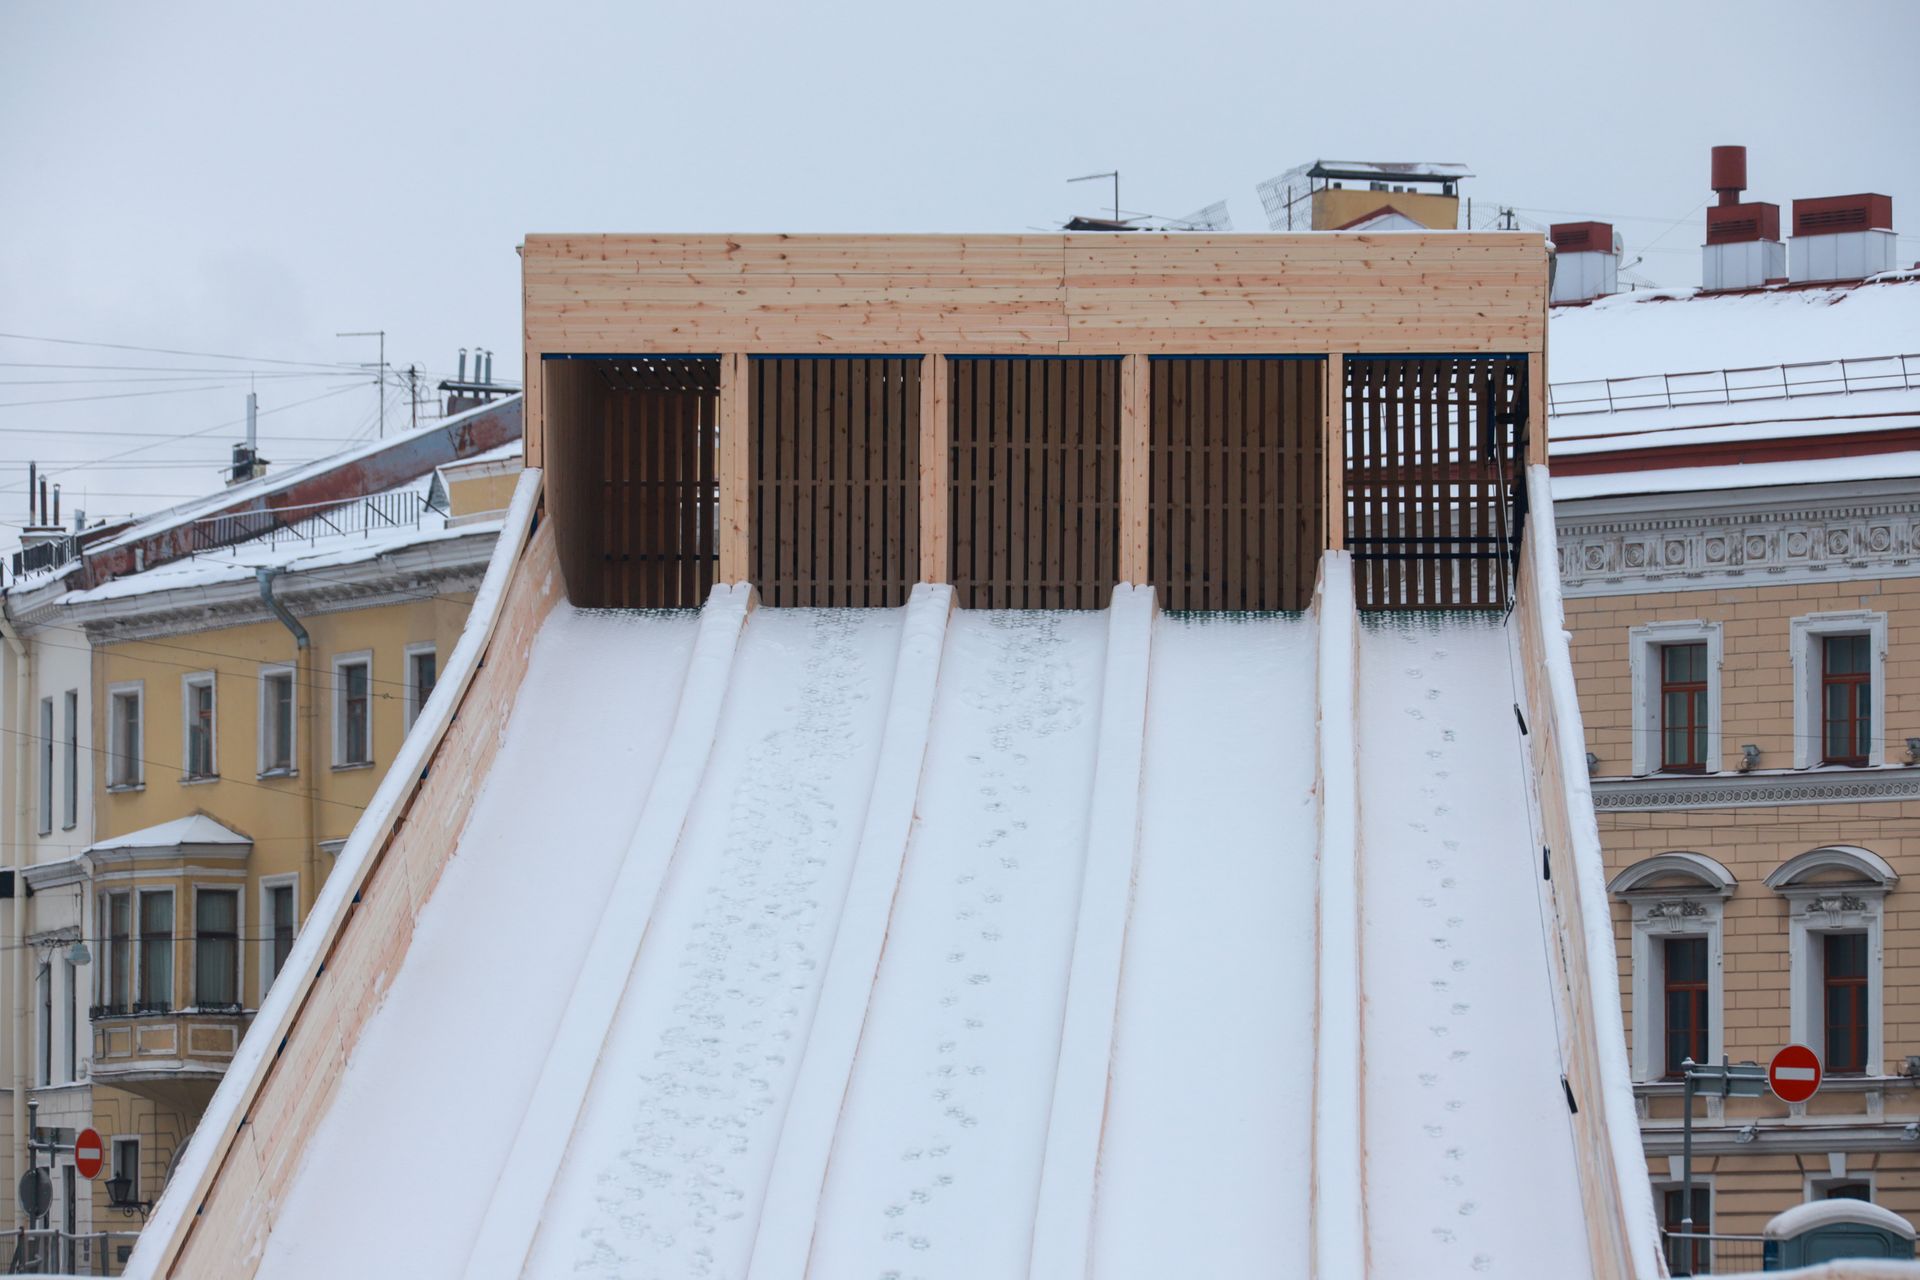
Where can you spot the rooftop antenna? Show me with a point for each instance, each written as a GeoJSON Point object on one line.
{"type": "Point", "coordinates": [1111, 173]}
{"type": "Point", "coordinates": [379, 371]}
{"type": "Point", "coordinates": [1212, 218]}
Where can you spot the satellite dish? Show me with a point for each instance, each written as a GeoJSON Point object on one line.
{"type": "Point", "coordinates": [1619, 245]}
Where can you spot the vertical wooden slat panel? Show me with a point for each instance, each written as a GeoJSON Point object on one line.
{"type": "Point", "coordinates": [936, 458]}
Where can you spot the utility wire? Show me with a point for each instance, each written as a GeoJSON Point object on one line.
{"type": "Point", "coordinates": [169, 351]}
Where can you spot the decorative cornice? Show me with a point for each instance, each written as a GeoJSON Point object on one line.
{"type": "Point", "coordinates": [1626, 547]}
{"type": "Point", "coordinates": [1856, 786]}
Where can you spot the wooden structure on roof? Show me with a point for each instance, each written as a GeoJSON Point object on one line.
{"type": "Point", "coordinates": [1035, 418]}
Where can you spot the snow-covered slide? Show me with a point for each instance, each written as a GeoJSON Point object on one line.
{"type": "Point", "coordinates": [1206, 1166]}
{"type": "Point", "coordinates": [1465, 1114]}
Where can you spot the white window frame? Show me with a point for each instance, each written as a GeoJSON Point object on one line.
{"type": "Point", "coordinates": [1816, 909]}
{"type": "Point", "coordinates": [267, 885]}
{"type": "Point", "coordinates": [1809, 720]}
{"type": "Point", "coordinates": [341, 661]}
{"type": "Point", "coordinates": [115, 1169]}
{"type": "Point", "coordinates": [139, 936]}
{"type": "Point", "coordinates": [46, 765]}
{"type": "Point", "coordinates": [69, 1020]}
{"type": "Point", "coordinates": [1643, 645]}
{"type": "Point", "coordinates": [414, 703]}
{"type": "Point", "coordinates": [188, 683]}
{"type": "Point", "coordinates": [43, 1023]}
{"type": "Point", "coordinates": [103, 928]}
{"type": "Point", "coordinates": [71, 810]}
{"type": "Point", "coordinates": [137, 755]}
{"type": "Point", "coordinates": [239, 892]}
{"type": "Point", "coordinates": [1814, 1186]}
{"type": "Point", "coordinates": [267, 674]}
{"type": "Point", "coordinates": [1659, 912]}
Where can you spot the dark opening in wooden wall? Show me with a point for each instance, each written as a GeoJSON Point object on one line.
{"type": "Point", "coordinates": [1237, 476]}
{"type": "Point", "coordinates": [631, 478]}
{"type": "Point", "coordinates": [834, 480]}
{"type": "Point", "coordinates": [1435, 492]}
{"type": "Point", "coordinates": [1035, 482]}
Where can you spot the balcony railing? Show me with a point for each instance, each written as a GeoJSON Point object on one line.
{"type": "Point", "coordinates": [1734, 386]}
{"type": "Point", "coordinates": [1705, 1254]}
{"type": "Point", "coordinates": [375, 513]}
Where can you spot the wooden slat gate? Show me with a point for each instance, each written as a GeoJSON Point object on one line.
{"type": "Point", "coordinates": [1236, 490]}
{"type": "Point", "coordinates": [834, 479]}
{"type": "Point", "coordinates": [632, 474]}
{"type": "Point", "coordinates": [1034, 482]}
{"type": "Point", "coordinates": [1435, 495]}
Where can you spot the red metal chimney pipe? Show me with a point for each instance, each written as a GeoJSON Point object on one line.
{"type": "Point", "coordinates": [1729, 173]}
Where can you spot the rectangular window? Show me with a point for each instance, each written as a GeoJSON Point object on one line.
{"type": "Point", "coordinates": [1683, 708]}
{"type": "Point", "coordinates": [1688, 1257]}
{"type": "Point", "coordinates": [1845, 979]}
{"type": "Point", "coordinates": [1686, 983]}
{"type": "Point", "coordinates": [70, 1041]}
{"type": "Point", "coordinates": [216, 948]}
{"type": "Point", "coordinates": [1847, 1191]}
{"type": "Point", "coordinates": [280, 927]}
{"type": "Point", "coordinates": [1846, 699]}
{"type": "Point", "coordinates": [156, 952]}
{"type": "Point", "coordinates": [352, 711]}
{"type": "Point", "coordinates": [197, 713]}
{"type": "Point", "coordinates": [126, 1166]}
{"type": "Point", "coordinates": [46, 765]}
{"type": "Point", "coordinates": [276, 721]}
{"type": "Point", "coordinates": [119, 959]}
{"type": "Point", "coordinates": [45, 994]}
{"type": "Point", "coordinates": [70, 818]}
{"type": "Point", "coordinates": [124, 752]}
{"type": "Point", "coordinates": [422, 670]}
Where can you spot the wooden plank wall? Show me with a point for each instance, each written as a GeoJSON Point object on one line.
{"type": "Point", "coordinates": [1434, 481]}
{"type": "Point", "coordinates": [1238, 473]}
{"type": "Point", "coordinates": [635, 484]}
{"type": "Point", "coordinates": [1088, 294]}
{"type": "Point", "coordinates": [834, 480]}
{"type": "Point", "coordinates": [1035, 482]}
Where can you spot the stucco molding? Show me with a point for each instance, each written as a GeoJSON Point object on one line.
{"type": "Point", "coordinates": [1739, 790]}
{"type": "Point", "coordinates": [1624, 548]}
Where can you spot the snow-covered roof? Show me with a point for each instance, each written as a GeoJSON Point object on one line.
{"type": "Point", "coordinates": [1402, 169]}
{"type": "Point", "coordinates": [1826, 1213]}
{"type": "Point", "coordinates": [1654, 332]}
{"type": "Point", "coordinates": [197, 829]}
{"type": "Point", "coordinates": [212, 503]}
{"type": "Point", "coordinates": [499, 453]}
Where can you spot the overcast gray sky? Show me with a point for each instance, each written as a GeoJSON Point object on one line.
{"type": "Point", "coordinates": [247, 180]}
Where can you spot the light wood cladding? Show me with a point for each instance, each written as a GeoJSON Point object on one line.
{"type": "Point", "coordinates": [1086, 294]}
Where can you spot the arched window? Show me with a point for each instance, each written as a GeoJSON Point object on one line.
{"type": "Point", "coordinates": [1675, 903]}
{"type": "Point", "coordinates": [1835, 895]}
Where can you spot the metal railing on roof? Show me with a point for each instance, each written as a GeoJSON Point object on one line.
{"type": "Point", "coordinates": [1734, 386]}
{"type": "Point", "coordinates": [369, 515]}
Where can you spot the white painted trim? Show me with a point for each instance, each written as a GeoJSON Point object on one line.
{"type": "Point", "coordinates": [1713, 876]}
{"type": "Point", "coordinates": [239, 893]}
{"type": "Point", "coordinates": [1862, 863]}
{"type": "Point", "coordinates": [785, 1235]}
{"type": "Point", "coordinates": [1654, 921]}
{"type": "Point", "coordinates": [1813, 911]}
{"type": "Point", "coordinates": [1812, 1185]}
{"type": "Point", "coordinates": [137, 755]}
{"type": "Point", "coordinates": [138, 936]}
{"type": "Point", "coordinates": [43, 758]}
{"type": "Point", "coordinates": [188, 683]}
{"type": "Point", "coordinates": [1069, 1169]}
{"type": "Point", "coordinates": [262, 678]}
{"type": "Point", "coordinates": [1642, 641]}
{"type": "Point", "coordinates": [507, 1228]}
{"type": "Point", "coordinates": [339, 717]}
{"type": "Point", "coordinates": [263, 962]}
{"type": "Point", "coordinates": [1339, 1219]}
{"type": "Point", "coordinates": [410, 704]}
{"type": "Point", "coordinates": [1809, 745]}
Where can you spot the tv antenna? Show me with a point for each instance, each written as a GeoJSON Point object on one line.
{"type": "Point", "coordinates": [379, 370]}
{"type": "Point", "coordinates": [1111, 173]}
{"type": "Point", "coordinates": [1212, 218]}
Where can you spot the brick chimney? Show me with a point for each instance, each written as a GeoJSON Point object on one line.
{"type": "Point", "coordinates": [1586, 261]}
{"type": "Point", "coordinates": [1842, 237]}
{"type": "Point", "coordinates": [1743, 249]}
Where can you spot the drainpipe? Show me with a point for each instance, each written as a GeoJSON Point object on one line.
{"type": "Point", "coordinates": [306, 694]}
{"type": "Point", "coordinates": [17, 935]}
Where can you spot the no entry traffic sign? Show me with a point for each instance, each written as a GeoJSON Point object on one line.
{"type": "Point", "coordinates": [1794, 1073]}
{"type": "Point", "coordinates": [88, 1153]}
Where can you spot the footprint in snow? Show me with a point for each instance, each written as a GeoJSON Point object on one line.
{"type": "Point", "coordinates": [1482, 1262]}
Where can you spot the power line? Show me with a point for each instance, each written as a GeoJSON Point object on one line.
{"type": "Point", "coordinates": [146, 760]}
{"type": "Point", "coordinates": [169, 351]}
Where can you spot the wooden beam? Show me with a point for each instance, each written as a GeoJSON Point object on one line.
{"type": "Point", "coordinates": [1136, 463]}
{"type": "Point", "coordinates": [1334, 506]}
{"type": "Point", "coordinates": [1537, 408]}
{"type": "Point", "coordinates": [734, 531]}
{"type": "Point", "coordinates": [534, 410]}
{"type": "Point", "coordinates": [936, 489]}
